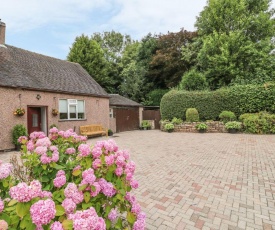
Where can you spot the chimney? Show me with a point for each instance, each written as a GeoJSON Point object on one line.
{"type": "Point", "coordinates": [2, 32]}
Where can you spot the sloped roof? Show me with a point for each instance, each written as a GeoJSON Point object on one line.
{"type": "Point", "coordinates": [117, 100]}
{"type": "Point", "coordinates": [28, 70]}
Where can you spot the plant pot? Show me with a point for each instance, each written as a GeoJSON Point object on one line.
{"type": "Point", "coordinates": [18, 147]}
{"type": "Point", "coordinates": [202, 131]}
{"type": "Point", "coordinates": [170, 130]}
{"type": "Point", "coordinates": [232, 130]}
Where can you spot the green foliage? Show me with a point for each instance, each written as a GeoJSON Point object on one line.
{"type": "Point", "coordinates": [233, 125]}
{"type": "Point", "coordinates": [238, 99]}
{"type": "Point", "coordinates": [193, 80]}
{"type": "Point", "coordinates": [201, 126]}
{"type": "Point", "coordinates": [153, 98]}
{"type": "Point", "coordinates": [259, 123]}
{"type": "Point", "coordinates": [176, 121]}
{"type": "Point", "coordinates": [235, 42]}
{"type": "Point", "coordinates": [53, 125]}
{"type": "Point", "coordinates": [145, 124]}
{"type": "Point", "coordinates": [169, 127]}
{"type": "Point", "coordinates": [18, 131]}
{"type": "Point", "coordinates": [226, 116]}
{"type": "Point", "coordinates": [192, 115]}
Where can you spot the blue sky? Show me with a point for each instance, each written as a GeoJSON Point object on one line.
{"type": "Point", "coordinates": [50, 26]}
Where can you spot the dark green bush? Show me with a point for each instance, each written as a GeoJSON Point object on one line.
{"type": "Point", "coordinates": [192, 115]}
{"type": "Point", "coordinates": [259, 123]}
{"type": "Point", "coordinates": [193, 80]}
{"type": "Point", "coordinates": [226, 116]}
{"type": "Point", "coordinates": [238, 99]}
{"type": "Point", "coordinates": [153, 98]}
{"type": "Point", "coordinates": [18, 131]}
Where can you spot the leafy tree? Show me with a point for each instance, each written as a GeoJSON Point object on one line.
{"type": "Point", "coordinates": [153, 98]}
{"type": "Point", "coordinates": [90, 56]}
{"type": "Point", "coordinates": [193, 80]}
{"type": "Point", "coordinates": [166, 67]}
{"type": "Point", "coordinates": [236, 38]}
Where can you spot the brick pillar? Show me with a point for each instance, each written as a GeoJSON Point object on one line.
{"type": "Point", "coordinates": [2, 32]}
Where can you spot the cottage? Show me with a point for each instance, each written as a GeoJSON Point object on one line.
{"type": "Point", "coordinates": [50, 91]}
{"type": "Point", "coordinates": [125, 114]}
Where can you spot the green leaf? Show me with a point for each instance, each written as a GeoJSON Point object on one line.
{"type": "Point", "coordinates": [5, 217]}
{"type": "Point", "coordinates": [59, 167]}
{"type": "Point", "coordinates": [118, 224]}
{"type": "Point", "coordinates": [67, 224]}
{"type": "Point", "coordinates": [12, 202]}
{"type": "Point", "coordinates": [109, 176]}
{"type": "Point", "coordinates": [44, 166]}
{"type": "Point", "coordinates": [5, 183]}
{"type": "Point", "coordinates": [59, 210]}
{"type": "Point", "coordinates": [87, 196]}
{"type": "Point", "coordinates": [22, 209]}
{"type": "Point", "coordinates": [77, 172]}
{"type": "Point", "coordinates": [131, 218]}
{"type": "Point", "coordinates": [82, 187]}
{"type": "Point", "coordinates": [45, 179]}
{"type": "Point", "coordinates": [108, 224]}
{"type": "Point", "coordinates": [118, 183]}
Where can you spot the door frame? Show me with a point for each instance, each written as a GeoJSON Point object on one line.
{"type": "Point", "coordinates": [44, 117]}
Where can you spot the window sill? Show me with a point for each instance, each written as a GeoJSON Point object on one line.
{"type": "Point", "coordinates": [72, 120]}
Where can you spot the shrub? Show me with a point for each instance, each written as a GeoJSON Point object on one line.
{"type": "Point", "coordinates": [233, 125]}
{"type": "Point", "coordinates": [153, 98]}
{"type": "Point", "coordinates": [226, 116]}
{"type": "Point", "coordinates": [169, 127]}
{"type": "Point", "coordinates": [238, 99]}
{"type": "Point", "coordinates": [193, 80]}
{"type": "Point", "coordinates": [201, 126]}
{"type": "Point", "coordinates": [145, 124]}
{"type": "Point", "coordinates": [192, 115]}
{"type": "Point", "coordinates": [176, 121]}
{"type": "Point", "coordinates": [67, 180]}
{"type": "Point", "coordinates": [18, 131]}
{"type": "Point", "coordinates": [259, 123]}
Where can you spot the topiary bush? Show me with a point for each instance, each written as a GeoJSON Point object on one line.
{"type": "Point", "coordinates": [226, 116]}
{"type": "Point", "coordinates": [193, 80]}
{"type": "Point", "coordinates": [239, 99]}
{"type": "Point", "coordinates": [192, 115]}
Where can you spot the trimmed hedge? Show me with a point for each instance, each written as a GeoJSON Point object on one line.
{"type": "Point", "coordinates": [238, 99]}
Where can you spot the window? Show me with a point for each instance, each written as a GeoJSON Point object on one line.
{"type": "Point", "coordinates": [71, 109]}
{"type": "Point", "coordinates": [111, 113]}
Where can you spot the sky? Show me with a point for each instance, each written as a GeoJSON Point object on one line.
{"type": "Point", "coordinates": [50, 27]}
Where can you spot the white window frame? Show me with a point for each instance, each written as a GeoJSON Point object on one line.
{"type": "Point", "coordinates": [111, 112]}
{"type": "Point", "coordinates": [72, 102]}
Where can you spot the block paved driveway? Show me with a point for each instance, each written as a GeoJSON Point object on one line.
{"type": "Point", "coordinates": [203, 181]}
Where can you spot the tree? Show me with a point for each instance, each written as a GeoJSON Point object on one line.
{"type": "Point", "coordinates": [90, 56]}
{"type": "Point", "coordinates": [236, 42]}
{"type": "Point", "coordinates": [193, 80]}
{"type": "Point", "coordinates": [167, 67]}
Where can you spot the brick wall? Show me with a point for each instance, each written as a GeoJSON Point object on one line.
{"type": "Point", "coordinates": [96, 109]}
{"type": "Point", "coordinates": [213, 127]}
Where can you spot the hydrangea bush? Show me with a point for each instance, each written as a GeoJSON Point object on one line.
{"type": "Point", "coordinates": [70, 185]}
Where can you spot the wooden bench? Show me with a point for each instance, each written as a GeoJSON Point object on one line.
{"type": "Point", "coordinates": [93, 130]}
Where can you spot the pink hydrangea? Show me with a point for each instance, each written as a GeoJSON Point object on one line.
{"type": "Point", "coordinates": [140, 222]}
{"type": "Point", "coordinates": [60, 179]}
{"type": "Point", "coordinates": [37, 135]}
{"type": "Point", "coordinates": [21, 192]}
{"type": "Point", "coordinates": [55, 157]}
{"type": "Point", "coordinates": [88, 176]}
{"type": "Point", "coordinates": [70, 151]}
{"type": "Point", "coordinates": [42, 212]}
{"type": "Point", "coordinates": [30, 145]}
{"type": "Point", "coordinates": [119, 171]}
{"type": "Point", "coordinates": [107, 188]}
{"type": "Point", "coordinates": [22, 139]}
{"type": "Point", "coordinates": [97, 189]}
{"type": "Point", "coordinates": [43, 142]}
{"type": "Point", "coordinates": [71, 191]}
{"type": "Point", "coordinates": [130, 167]}
{"type": "Point", "coordinates": [5, 170]}
{"type": "Point", "coordinates": [56, 226]}
{"type": "Point", "coordinates": [88, 220]}
{"type": "Point", "coordinates": [53, 148]}
{"type": "Point", "coordinates": [84, 150]}
{"type": "Point", "coordinates": [3, 225]}
{"type": "Point", "coordinates": [112, 215]}
{"type": "Point", "coordinates": [134, 184]}
{"type": "Point", "coordinates": [120, 161]}
{"type": "Point", "coordinates": [96, 152]}
{"type": "Point", "coordinates": [129, 176]}
{"type": "Point", "coordinates": [77, 168]}
{"type": "Point", "coordinates": [110, 146]}
{"type": "Point", "coordinates": [69, 205]}
{"type": "Point", "coordinates": [110, 159]}
{"type": "Point", "coordinates": [35, 188]}
{"type": "Point", "coordinates": [46, 194]}
{"type": "Point", "coordinates": [53, 130]}
{"type": "Point", "coordinates": [40, 150]}
{"type": "Point", "coordinates": [136, 208]}
{"type": "Point", "coordinates": [96, 163]}
{"type": "Point", "coordinates": [2, 205]}
{"type": "Point", "coordinates": [45, 159]}
{"type": "Point", "coordinates": [68, 133]}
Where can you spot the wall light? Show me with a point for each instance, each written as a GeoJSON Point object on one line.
{"type": "Point", "coordinates": [38, 96]}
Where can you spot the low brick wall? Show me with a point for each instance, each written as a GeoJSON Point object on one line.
{"type": "Point", "coordinates": [190, 127]}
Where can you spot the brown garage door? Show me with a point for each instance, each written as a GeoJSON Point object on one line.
{"type": "Point", "coordinates": [152, 115]}
{"type": "Point", "coordinates": [126, 119]}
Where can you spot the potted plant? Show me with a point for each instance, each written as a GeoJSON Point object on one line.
{"type": "Point", "coordinates": [18, 131]}
{"type": "Point", "coordinates": [54, 112]}
{"type": "Point", "coordinates": [110, 132]}
{"type": "Point", "coordinates": [145, 125]}
{"type": "Point", "coordinates": [169, 127]}
{"type": "Point", "coordinates": [233, 126]}
{"type": "Point", "coordinates": [201, 127]}
{"type": "Point", "coordinates": [19, 112]}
